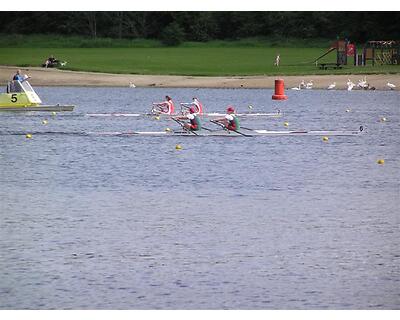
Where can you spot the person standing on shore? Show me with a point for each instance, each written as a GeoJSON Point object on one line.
{"type": "Point", "coordinates": [277, 60]}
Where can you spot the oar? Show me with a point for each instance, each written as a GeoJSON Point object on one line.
{"type": "Point", "coordinates": [246, 128]}
{"type": "Point", "coordinates": [241, 133]}
{"type": "Point", "coordinates": [219, 124]}
{"type": "Point", "coordinates": [183, 127]}
{"type": "Point", "coordinates": [207, 129]}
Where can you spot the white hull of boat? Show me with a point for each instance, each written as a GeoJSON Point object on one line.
{"type": "Point", "coordinates": [209, 115]}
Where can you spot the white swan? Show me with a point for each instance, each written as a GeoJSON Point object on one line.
{"type": "Point", "coordinates": [332, 86]}
{"type": "Point", "coordinates": [391, 85]}
{"type": "Point", "coordinates": [350, 85]}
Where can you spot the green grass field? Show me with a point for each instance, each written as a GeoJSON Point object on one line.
{"type": "Point", "coordinates": [216, 59]}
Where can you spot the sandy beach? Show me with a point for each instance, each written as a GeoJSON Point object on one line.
{"type": "Point", "coordinates": [54, 77]}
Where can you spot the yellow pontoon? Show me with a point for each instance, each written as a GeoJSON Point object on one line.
{"type": "Point", "coordinates": [20, 96]}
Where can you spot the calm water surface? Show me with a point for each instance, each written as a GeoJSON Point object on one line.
{"type": "Point", "coordinates": [225, 223]}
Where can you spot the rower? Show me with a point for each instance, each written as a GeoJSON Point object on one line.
{"type": "Point", "coordinates": [194, 124]}
{"type": "Point", "coordinates": [165, 107]}
{"type": "Point", "coordinates": [196, 104]}
{"type": "Point", "coordinates": [230, 121]}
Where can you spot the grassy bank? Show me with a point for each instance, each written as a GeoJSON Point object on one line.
{"type": "Point", "coordinates": [224, 58]}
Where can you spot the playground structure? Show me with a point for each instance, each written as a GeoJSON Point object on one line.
{"type": "Point", "coordinates": [343, 49]}
{"type": "Point", "coordinates": [378, 52]}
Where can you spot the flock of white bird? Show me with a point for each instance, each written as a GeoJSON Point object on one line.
{"type": "Point", "coordinates": [362, 84]}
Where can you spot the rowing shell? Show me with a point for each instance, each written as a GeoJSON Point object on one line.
{"type": "Point", "coordinates": [209, 115]}
{"type": "Point", "coordinates": [216, 133]}
{"type": "Point", "coordinates": [224, 133]}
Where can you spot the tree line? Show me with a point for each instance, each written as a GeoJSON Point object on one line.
{"type": "Point", "coordinates": [175, 27]}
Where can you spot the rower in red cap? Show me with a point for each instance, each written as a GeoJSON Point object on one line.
{"type": "Point", "coordinates": [194, 120]}
{"type": "Point", "coordinates": [230, 121]}
{"type": "Point", "coordinates": [165, 107]}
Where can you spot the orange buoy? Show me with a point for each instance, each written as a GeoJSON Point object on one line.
{"type": "Point", "coordinates": [279, 90]}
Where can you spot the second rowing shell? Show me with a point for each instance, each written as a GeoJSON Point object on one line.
{"type": "Point", "coordinates": [209, 115]}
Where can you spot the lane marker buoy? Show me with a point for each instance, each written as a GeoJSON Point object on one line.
{"type": "Point", "coordinates": [286, 124]}
{"type": "Point", "coordinates": [325, 139]}
{"type": "Point", "coordinates": [178, 147]}
{"type": "Point", "coordinates": [279, 90]}
{"type": "Point", "coordinates": [380, 161]}
{"type": "Point", "coordinates": [167, 129]}
{"type": "Point", "coordinates": [44, 121]}
{"type": "Point", "coordinates": [28, 136]}
{"type": "Point", "coordinates": [383, 119]}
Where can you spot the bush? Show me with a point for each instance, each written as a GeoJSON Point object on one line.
{"type": "Point", "coordinates": [172, 35]}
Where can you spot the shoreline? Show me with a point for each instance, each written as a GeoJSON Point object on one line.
{"type": "Point", "coordinates": [55, 77]}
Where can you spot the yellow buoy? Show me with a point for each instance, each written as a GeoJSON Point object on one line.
{"type": "Point", "coordinates": [167, 129]}
{"type": "Point", "coordinates": [157, 118]}
{"type": "Point", "coordinates": [380, 161]}
{"type": "Point", "coordinates": [325, 139]}
{"type": "Point", "coordinates": [286, 124]}
{"type": "Point", "coordinates": [28, 136]}
{"type": "Point", "coordinates": [178, 147]}
{"type": "Point", "coordinates": [53, 113]}
{"type": "Point", "coordinates": [44, 121]}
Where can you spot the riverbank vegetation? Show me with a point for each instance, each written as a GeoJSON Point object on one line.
{"type": "Point", "coordinates": [192, 43]}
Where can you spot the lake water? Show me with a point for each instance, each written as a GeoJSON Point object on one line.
{"type": "Point", "coordinates": [98, 222]}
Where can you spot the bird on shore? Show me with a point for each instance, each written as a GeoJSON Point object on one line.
{"type": "Point", "coordinates": [309, 84]}
{"type": "Point", "coordinates": [302, 84]}
{"type": "Point", "coordinates": [362, 83]}
{"type": "Point", "coordinates": [332, 86]}
{"type": "Point", "coordinates": [350, 85]}
{"type": "Point", "coordinates": [132, 85]}
{"type": "Point", "coordinates": [391, 86]}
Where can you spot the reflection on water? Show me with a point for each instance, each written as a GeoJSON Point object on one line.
{"type": "Point", "coordinates": [244, 223]}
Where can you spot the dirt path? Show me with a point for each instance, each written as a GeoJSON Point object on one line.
{"type": "Point", "coordinates": [53, 77]}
